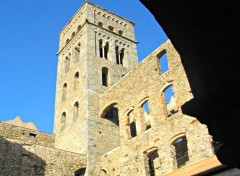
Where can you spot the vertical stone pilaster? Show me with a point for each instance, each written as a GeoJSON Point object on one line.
{"type": "Point", "coordinates": [139, 117]}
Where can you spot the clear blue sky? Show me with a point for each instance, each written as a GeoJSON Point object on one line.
{"type": "Point", "coordinates": [28, 43]}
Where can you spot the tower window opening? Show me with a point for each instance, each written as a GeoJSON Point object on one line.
{"type": "Point", "coordinates": [101, 48]}
{"type": "Point", "coordinates": [181, 150]}
{"type": "Point", "coordinates": [64, 92]}
{"type": "Point", "coordinates": [110, 28]}
{"type": "Point", "coordinates": [100, 24]}
{"type": "Point", "coordinates": [105, 76]}
{"type": "Point", "coordinates": [122, 56]}
{"type": "Point", "coordinates": [76, 81]}
{"type": "Point", "coordinates": [132, 124]}
{"type": "Point", "coordinates": [163, 61]}
{"type": "Point", "coordinates": [67, 41]}
{"type": "Point", "coordinates": [66, 64]}
{"type": "Point", "coordinates": [75, 111]}
{"type": "Point", "coordinates": [79, 27]}
{"type": "Point", "coordinates": [106, 49]}
{"type": "Point", "coordinates": [153, 163]}
{"type": "Point", "coordinates": [117, 54]}
{"type": "Point", "coordinates": [120, 32]}
{"type": "Point", "coordinates": [63, 121]}
{"type": "Point", "coordinates": [73, 34]}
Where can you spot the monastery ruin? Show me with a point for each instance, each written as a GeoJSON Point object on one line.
{"type": "Point", "coordinates": [112, 117]}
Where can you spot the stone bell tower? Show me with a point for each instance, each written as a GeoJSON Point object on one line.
{"type": "Point", "coordinates": [97, 48]}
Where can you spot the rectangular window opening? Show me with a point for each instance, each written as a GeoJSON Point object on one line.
{"type": "Point", "coordinates": [32, 135]}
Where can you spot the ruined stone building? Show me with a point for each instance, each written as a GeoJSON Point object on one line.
{"type": "Point", "coordinates": [111, 113]}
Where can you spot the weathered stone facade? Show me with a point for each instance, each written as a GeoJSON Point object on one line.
{"type": "Point", "coordinates": [26, 152]}
{"type": "Point", "coordinates": [100, 122]}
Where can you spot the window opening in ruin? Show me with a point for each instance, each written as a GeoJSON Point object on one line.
{"type": "Point", "coordinates": [106, 49]}
{"type": "Point", "coordinates": [122, 56]}
{"type": "Point", "coordinates": [181, 150]}
{"type": "Point", "coordinates": [75, 111]}
{"type": "Point", "coordinates": [64, 92]}
{"type": "Point", "coordinates": [120, 32]}
{"type": "Point", "coordinates": [101, 48]}
{"type": "Point", "coordinates": [163, 60]}
{"type": "Point", "coordinates": [117, 54]}
{"type": "Point", "coordinates": [146, 115]}
{"type": "Point", "coordinates": [110, 28]}
{"type": "Point", "coordinates": [105, 76]}
{"type": "Point", "coordinates": [63, 121]}
{"type": "Point", "coordinates": [76, 81]}
{"type": "Point", "coordinates": [112, 114]}
{"type": "Point", "coordinates": [153, 164]}
{"type": "Point", "coordinates": [100, 24]}
{"type": "Point", "coordinates": [80, 172]}
{"type": "Point", "coordinates": [32, 135]}
{"type": "Point", "coordinates": [170, 101]}
{"type": "Point", "coordinates": [132, 124]}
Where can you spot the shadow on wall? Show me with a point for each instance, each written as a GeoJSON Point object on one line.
{"type": "Point", "coordinates": [16, 160]}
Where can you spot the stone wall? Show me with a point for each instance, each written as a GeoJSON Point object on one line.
{"type": "Point", "coordinates": [21, 154]}
{"type": "Point", "coordinates": [26, 135]}
{"type": "Point", "coordinates": [147, 82]}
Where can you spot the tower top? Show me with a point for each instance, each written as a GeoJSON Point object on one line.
{"type": "Point", "coordinates": [118, 18]}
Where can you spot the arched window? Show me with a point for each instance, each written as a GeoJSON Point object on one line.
{"type": "Point", "coordinates": [79, 27]}
{"type": "Point", "coordinates": [120, 32]}
{"type": "Point", "coordinates": [105, 76]}
{"type": "Point", "coordinates": [66, 64]}
{"type": "Point", "coordinates": [63, 121]}
{"type": "Point", "coordinates": [106, 49]}
{"type": "Point", "coordinates": [76, 52]}
{"type": "Point", "coordinates": [181, 151]}
{"type": "Point", "coordinates": [146, 114]}
{"type": "Point", "coordinates": [101, 48]}
{"type": "Point", "coordinates": [73, 34]}
{"type": "Point", "coordinates": [110, 28]}
{"type": "Point", "coordinates": [153, 163]}
{"type": "Point", "coordinates": [132, 124]}
{"type": "Point", "coordinates": [100, 24]}
{"type": "Point", "coordinates": [170, 101]}
{"type": "Point", "coordinates": [163, 61]}
{"type": "Point", "coordinates": [64, 92]}
{"type": "Point", "coordinates": [76, 81]}
{"type": "Point", "coordinates": [112, 114]}
{"type": "Point", "coordinates": [75, 111]}
{"type": "Point", "coordinates": [67, 41]}
{"type": "Point", "coordinates": [121, 56]}
{"type": "Point", "coordinates": [117, 54]}
{"type": "Point", "coordinates": [80, 172]}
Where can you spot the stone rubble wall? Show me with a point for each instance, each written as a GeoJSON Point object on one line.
{"type": "Point", "coordinates": [24, 134]}
{"type": "Point", "coordinates": [147, 82]}
{"type": "Point", "coordinates": [20, 155]}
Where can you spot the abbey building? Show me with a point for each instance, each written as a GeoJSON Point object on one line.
{"type": "Point", "coordinates": [112, 114]}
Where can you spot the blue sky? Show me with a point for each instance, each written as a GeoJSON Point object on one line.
{"type": "Point", "coordinates": [28, 43]}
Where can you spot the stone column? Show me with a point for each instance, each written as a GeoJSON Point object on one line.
{"type": "Point", "coordinates": [155, 109]}
{"type": "Point", "coordinates": [139, 118]}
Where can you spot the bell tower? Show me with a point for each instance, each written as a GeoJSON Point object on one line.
{"type": "Point", "coordinates": [97, 48]}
